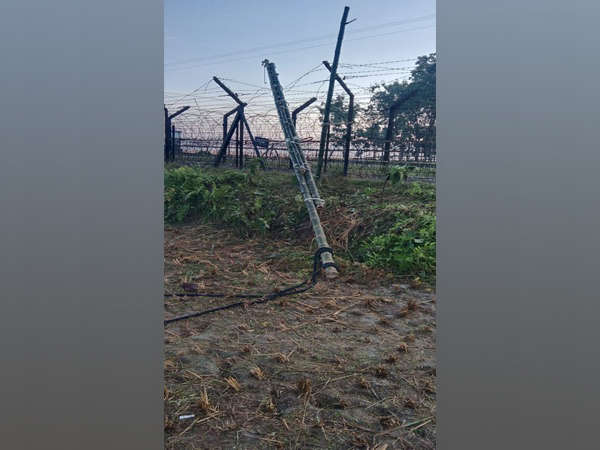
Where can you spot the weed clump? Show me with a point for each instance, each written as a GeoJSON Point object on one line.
{"type": "Point", "coordinates": [395, 232]}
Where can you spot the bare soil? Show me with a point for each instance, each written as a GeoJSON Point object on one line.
{"type": "Point", "coordinates": [349, 364]}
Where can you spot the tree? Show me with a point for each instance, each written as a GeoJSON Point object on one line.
{"type": "Point", "coordinates": [415, 120]}
{"type": "Point", "coordinates": [338, 117]}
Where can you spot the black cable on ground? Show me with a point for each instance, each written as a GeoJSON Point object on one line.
{"type": "Point", "coordinates": [292, 290]}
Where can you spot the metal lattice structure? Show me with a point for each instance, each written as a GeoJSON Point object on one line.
{"type": "Point", "coordinates": [302, 169]}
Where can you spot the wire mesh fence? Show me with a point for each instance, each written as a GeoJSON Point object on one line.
{"type": "Point", "coordinates": [363, 162]}
{"type": "Point", "coordinates": [203, 127]}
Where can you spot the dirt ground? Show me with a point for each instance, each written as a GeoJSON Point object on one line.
{"type": "Point", "coordinates": [349, 364]}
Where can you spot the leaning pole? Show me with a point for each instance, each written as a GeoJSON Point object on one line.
{"type": "Point", "coordinates": [312, 200]}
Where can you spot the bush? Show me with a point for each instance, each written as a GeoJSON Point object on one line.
{"type": "Point", "coordinates": [408, 247]}
{"type": "Point", "coordinates": [238, 199]}
{"type": "Point", "coordinates": [401, 232]}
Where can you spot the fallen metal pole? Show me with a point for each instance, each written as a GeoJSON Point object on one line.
{"type": "Point", "coordinates": [312, 200]}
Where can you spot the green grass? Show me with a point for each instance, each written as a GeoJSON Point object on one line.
{"type": "Point", "coordinates": [393, 225]}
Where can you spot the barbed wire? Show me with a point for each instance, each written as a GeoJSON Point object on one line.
{"type": "Point", "coordinates": [208, 104]}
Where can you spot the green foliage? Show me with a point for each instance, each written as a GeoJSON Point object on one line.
{"type": "Point", "coordinates": [338, 117]}
{"type": "Point", "coordinates": [400, 232]}
{"type": "Point", "coordinates": [415, 120]}
{"type": "Point", "coordinates": [423, 192]}
{"type": "Point", "coordinates": [408, 247]}
{"type": "Point", "coordinates": [190, 192]}
{"type": "Point", "coordinates": [369, 191]}
{"type": "Point", "coordinates": [399, 174]}
{"type": "Point", "coordinates": [254, 165]}
{"type": "Point", "coordinates": [238, 199]}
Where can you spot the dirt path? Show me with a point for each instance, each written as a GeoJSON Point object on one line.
{"type": "Point", "coordinates": [349, 364]}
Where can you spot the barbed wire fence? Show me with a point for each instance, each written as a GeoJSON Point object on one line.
{"type": "Point", "coordinates": [200, 133]}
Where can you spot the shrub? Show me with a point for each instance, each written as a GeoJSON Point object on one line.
{"type": "Point", "coordinates": [401, 232]}
{"type": "Point", "coordinates": [407, 247]}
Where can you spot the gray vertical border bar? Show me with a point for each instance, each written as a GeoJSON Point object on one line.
{"type": "Point", "coordinates": [82, 224]}
{"type": "Point", "coordinates": [517, 224]}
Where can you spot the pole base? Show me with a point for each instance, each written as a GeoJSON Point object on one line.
{"type": "Point", "coordinates": [331, 273]}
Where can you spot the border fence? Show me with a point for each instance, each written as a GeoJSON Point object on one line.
{"type": "Point", "coordinates": [217, 126]}
{"type": "Point", "coordinates": [363, 163]}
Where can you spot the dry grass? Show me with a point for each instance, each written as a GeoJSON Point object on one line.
{"type": "Point", "coordinates": [304, 387]}
{"type": "Point", "coordinates": [258, 373]}
{"type": "Point", "coordinates": [204, 402]}
{"type": "Point", "coordinates": [233, 383]}
{"type": "Point", "coordinates": [336, 367]}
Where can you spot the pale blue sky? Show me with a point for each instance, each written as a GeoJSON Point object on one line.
{"type": "Point", "coordinates": [199, 30]}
